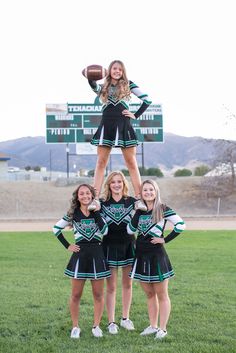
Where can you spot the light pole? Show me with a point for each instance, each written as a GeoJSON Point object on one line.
{"type": "Point", "coordinates": [67, 159]}
{"type": "Point", "coordinates": [142, 146]}
{"type": "Point", "coordinates": [50, 164]}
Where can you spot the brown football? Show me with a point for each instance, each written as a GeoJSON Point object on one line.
{"type": "Point", "coordinates": [94, 72]}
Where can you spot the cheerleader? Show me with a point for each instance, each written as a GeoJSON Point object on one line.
{"type": "Point", "coordinates": [118, 246]}
{"type": "Point", "coordinates": [115, 129]}
{"type": "Point", "coordinates": [87, 260]}
{"type": "Point", "coordinates": [152, 266]}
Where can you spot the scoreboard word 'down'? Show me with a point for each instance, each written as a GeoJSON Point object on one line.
{"type": "Point", "coordinates": [75, 123]}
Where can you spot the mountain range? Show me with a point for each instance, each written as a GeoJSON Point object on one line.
{"type": "Point", "coordinates": [175, 151]}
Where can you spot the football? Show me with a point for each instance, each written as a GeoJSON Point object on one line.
{"type": "Point", "coordinates": [94, 72]}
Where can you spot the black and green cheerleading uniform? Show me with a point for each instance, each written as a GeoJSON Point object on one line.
{"type": "Point", "coordinates": [115, 129]}
{"type": "Point", "coordinates": [152, 263]}
{"type": "Point", "coordinates": [118, 245]}
{"type": "Point", "coordinates": [89, 262]}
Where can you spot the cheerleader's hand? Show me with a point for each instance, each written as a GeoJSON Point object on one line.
{"type": "Point", "coordinates": [74, 248]}
{"type": "Point", "coordinates": [157, 240]}
{"type": "Point", "coordinates": [128, 114]}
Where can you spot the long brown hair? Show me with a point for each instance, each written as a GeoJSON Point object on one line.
{"type": "Point", "coordinates": [122, 88]}
{"type": "Point", "coordinates": [75, 202]}
{"type": "Point", "coordinates": [157, 211]}
{"type": "Point", "coordinates": [106, 189]}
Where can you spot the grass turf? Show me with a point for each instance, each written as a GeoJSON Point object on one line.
{"type": "Point", "coordinates": [34, 299]}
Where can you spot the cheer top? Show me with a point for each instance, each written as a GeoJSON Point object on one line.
{"type": "Point", "coordinates": [89, 229]}
{"type": "Point", "coordinates": [117, 215]}
{"type": "Point", "coordinates": [142, 222]}
{"type": "Point", "coordinates": [113, 101]}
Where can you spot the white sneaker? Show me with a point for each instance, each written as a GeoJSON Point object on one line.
{"type": "Point", "coordinates": [149, 331]}
{"type": "Point", "coordinates": [127, 323]}
{"type": "Point", "coordinates": [75, 332]}
{"type": "Point", "coordinates": [94, 205]}
{"type": "Point", "coordinates": [160, 334]}
{"type": "Point", "coordinates": [113, 328]}
{"type": "Point", "coordinates": [97, 332]}
{"type": "Point", "coordinates": [140, 205]}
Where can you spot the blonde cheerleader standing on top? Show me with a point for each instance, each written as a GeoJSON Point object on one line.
{"type": "Point", "coordinates": [115, 129]}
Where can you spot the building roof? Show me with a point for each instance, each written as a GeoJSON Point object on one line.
{"type": "Point", "coordinates": [3, 157]}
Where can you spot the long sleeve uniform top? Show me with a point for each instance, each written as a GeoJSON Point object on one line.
{"type": "Point", "coordinates": [124, 102]}
{"type": "Point", "coordinates": [89, 229]}
{"type": "Point", "coordinates": [143, 224]}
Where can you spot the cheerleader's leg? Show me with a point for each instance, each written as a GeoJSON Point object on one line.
{"type": "Point", "coordinates": [126, 291]}
{"type": "Point", "coordinates": [161, 290]}
{"type": "Point", "coordinates": [98, 299]}
{"type": "Point", "coordinates": [77, 286]}
{"type": "Point", "coordinates": [129, 154]}
{"type": "Point", "coordinates": [102, 160]}
{"type": "Point", "coordinates": [152, 303]}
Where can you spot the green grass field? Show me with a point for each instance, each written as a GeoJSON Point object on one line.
{"type": "Point", "coordinates": [34, 299]}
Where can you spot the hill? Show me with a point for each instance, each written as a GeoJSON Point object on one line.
{"type": "Point", "coordinates": [174, 151]}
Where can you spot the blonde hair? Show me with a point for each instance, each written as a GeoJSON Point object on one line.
{"type": "Point", "coordinates": [122, 86]}
{"type": "Point", "coordinates": [157, 211]}
{"type": "Point", "coordinates": [106, 188]}
{"type": "Point", "coordinates": [75, 202]}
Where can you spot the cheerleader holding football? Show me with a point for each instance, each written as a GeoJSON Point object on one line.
{"type": "Point", "coordinates": [115, 129]}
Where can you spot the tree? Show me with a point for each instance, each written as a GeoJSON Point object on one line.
{"type": "Point", "coordinates": [226, 159]}
{"type": "Point", "coordinates": [27, 168]}
{"type": "Point", "coordinates": [224, 162]}
{"type": "Point", "coordinates": [91, 173]}
{"type": "Point", "coordinates": [150, 171]}
{"type": "Point", "coordinates": [183, 172]}
{"type": "Point", "coordinates": [125, 172]}
{"type": "Point", "coordinates": [201, 170]}
{"type": "Point", "coordinates": [142, 170]}
{"type": "Point", "coordinates": [155, 171]}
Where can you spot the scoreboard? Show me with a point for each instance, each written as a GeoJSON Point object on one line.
{"type": "Point", "coordinates": [77, 123]}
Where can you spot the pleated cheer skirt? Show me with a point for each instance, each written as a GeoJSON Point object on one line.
{"type": "Point", "coordinates": [151, 265]}
{"type": "Point", "coordinates": [115, 130]}
{"type": "Point", "coordinates": [88, 263]}
{"type": "Point", "coordinates": [119, 255]}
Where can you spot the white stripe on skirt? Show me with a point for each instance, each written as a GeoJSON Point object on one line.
{"type": "Point", "coordinates": [76, 268]}
{"type": "Point", "coordinates": [94, 269]}
{"type": "Point", "coordinates": [101, 136]}
{"type": "Point", "coordinates": [117, 136]}
{"type": "Point", "coordinates": [134, 269]}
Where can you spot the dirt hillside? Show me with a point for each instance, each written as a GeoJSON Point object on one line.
{"type": "Point", "coordinates": [47, 200]}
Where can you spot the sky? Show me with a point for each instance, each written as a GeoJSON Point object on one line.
{"type": "Point", "coordinates": [182, 53]}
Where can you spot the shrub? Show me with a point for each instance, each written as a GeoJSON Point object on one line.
{"type": "Point", "coordinates": [201, 170]}
{"type": "Point", "coordinates": [125, 172]}
{"type": "Point", "coordinates": [183, 172]}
